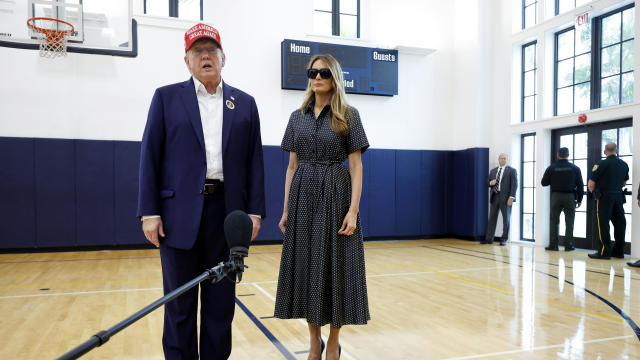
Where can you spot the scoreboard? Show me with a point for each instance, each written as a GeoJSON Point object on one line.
{"type": "Point", "coordinates": [369, 71]}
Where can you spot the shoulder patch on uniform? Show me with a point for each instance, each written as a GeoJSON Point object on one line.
{"type": "Point", "coordinates": [595, 167]}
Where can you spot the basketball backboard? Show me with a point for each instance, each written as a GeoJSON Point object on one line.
{"type": "Point", "coordinates": [101, 26]}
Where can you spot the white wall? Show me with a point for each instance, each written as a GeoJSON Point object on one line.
{"type": "Point", "coordinates": [105, 97]}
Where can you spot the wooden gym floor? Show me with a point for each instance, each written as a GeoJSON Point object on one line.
{"type": "Point", "coordinates": [429, 299]}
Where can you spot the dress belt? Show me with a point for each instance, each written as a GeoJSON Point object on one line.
{"type": "Point", "coordinates": [320, 162]}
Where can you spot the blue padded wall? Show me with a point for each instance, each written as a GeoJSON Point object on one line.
{"type": "Point", "coordinates": [469, 193]}
{"type": "Point", "coordinates": [366, 192]}
{"type": "Point", "coordinates": [55, 193]}
{"type": "Point", "coordinates": [17, 197]}
{"type": "Point", "coordinates": [126, 164]}
{"type": "Point", "coordinates": [434, 192]}
{"type": "Point", "coordinates": [275, 168]}
{"type": "Point", "coordinates": [95, 190]}
{"type": "Point", "coordinates": [381, 198]}
{"type": "Point", "coordinates": [408, 193]}
{"type": "Point", "coordinates": [67, 193]}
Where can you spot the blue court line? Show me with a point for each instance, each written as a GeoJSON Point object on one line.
{"type": "Point", "coordinates": [541, 262]}
{"type": "Point", "coordinates": [626, 317]}
{"type": "Point", "coordinates": [287, 355]}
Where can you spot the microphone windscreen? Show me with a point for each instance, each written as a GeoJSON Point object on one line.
{"type": "Point", "coordinates": [238, 228]}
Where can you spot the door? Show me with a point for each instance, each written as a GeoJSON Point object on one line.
{"type": "Point", "coordinates": [586, 148]}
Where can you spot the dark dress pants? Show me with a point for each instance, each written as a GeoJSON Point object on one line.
{"type": "Point", "coordinates": [562, 202]}
{"type": "Point", "coordinates": [609, 207]}
{"type": "Point", "coordinates": [498, 203]}
{"type": "Point", "coordinates": [217, 301]}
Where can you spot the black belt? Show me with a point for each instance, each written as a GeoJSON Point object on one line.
{"type": "Point", "coordinates": [213, 186]}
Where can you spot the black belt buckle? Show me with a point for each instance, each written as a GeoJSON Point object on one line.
{"type": "Point", "coordinates": [213, 188]}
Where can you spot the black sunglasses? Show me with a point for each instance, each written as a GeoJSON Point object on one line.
{"type": "Point", "coordinates": [324, 73]}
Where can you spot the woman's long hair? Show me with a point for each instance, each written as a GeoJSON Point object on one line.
{"type": "Point", "coordinates": [338, 102]}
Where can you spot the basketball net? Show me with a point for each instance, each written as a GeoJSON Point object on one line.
{"type": "Point", "coordinates": [53, 42]}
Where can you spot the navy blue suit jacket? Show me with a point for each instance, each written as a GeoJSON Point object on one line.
{"type": "Point", "coordinates": [173, 163]}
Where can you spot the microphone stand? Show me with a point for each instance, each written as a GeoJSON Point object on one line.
{"type": "Point", "coordinates": [216, 273]}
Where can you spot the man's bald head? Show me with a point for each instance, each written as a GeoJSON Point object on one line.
{"type": "Point", "coordinates": [610, 149]}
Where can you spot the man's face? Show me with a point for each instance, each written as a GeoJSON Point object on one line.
{"type": "Point", "coordinates": [502, 159]}
{"type": "Point", "coordinates": [203, 61]}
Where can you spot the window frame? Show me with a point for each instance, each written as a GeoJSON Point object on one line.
{"type": "Point", "coordinates": [533, 43]}
{"type": "Point", "coordinates": [174, 7]}
{"type": "Point", "coordinates": [573, 81]}
{"type": "Point", "coordinates": [596, 38]}
{"type": "Point", "coordinates": [535, 13]}
{"type": "Point", "coordinates": [335, 17]}
{"type": "Point", "coordinates": [596, 62]}
{"type": "Point", "coordinates": [522, 187]}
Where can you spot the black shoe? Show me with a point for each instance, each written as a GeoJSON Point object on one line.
{"type": "Point", "coordinates": [634, 264]}
{"type": "Point", "coordinates": [618, 256]}
{"type": "Point", "coordinates": [484, 242]}
{"type": "Point", "coordinates": [596, 255]}
{"type": "Point", "coordinates": [551, 248]}
{"type": "Point", "coordinates": [503, 242]}
{"type": "Point", "coordinates": [569, 248]}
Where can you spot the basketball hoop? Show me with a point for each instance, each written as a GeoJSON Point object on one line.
{"type": "Point", "coordinates": [53, 41]}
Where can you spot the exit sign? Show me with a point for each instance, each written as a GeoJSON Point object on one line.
{"type": "Point", "coordinates": [582, 20]}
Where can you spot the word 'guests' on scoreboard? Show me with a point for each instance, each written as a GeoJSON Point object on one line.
{"type": "Point", "coordinates": [368, 71]}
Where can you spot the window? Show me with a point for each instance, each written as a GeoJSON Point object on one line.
{"type": "Point", "coordinates": [573, 70]}
{"type": "Point", "coordinates": [528, 187]}
{"type": "Point", "coordinates": [594, 63]}
{"type": "Point", "coordinates": [183, 9]}
{"type": "Point", "coordinates": [528, 107]}
{"type": "Point", "coordinates": [337, 17]}
{"type": "Point", "coordinates": [565, 5]}
{"type": "Point", "coordinates": [577, 143]}
{"type": "Point", "coordinates": [623, 137]}
{"type": "Point", "coordinates": [616, 57]}
{"type": "Point", "coordinates": [529, 10]}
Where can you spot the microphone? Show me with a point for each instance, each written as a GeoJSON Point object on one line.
{"type": "Point", "coordinates": [238, 229]}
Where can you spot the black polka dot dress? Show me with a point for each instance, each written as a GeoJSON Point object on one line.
{"type": "Point", "coordinates": [322, 274]}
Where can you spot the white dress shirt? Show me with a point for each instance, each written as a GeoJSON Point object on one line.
{"type": "Point", "coordinates": [211, 116]}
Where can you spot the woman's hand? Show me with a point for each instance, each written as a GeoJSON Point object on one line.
{"type": "Point", "coordinates": [349, 224]}
{"type": "Point", "coordinates": [283, 222]}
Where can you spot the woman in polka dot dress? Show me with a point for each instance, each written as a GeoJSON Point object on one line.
{"type": "Point", "coordinates": [322, 272]}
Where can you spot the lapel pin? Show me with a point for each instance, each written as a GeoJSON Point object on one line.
{"type": "Point", "coordinates": [230, 105]}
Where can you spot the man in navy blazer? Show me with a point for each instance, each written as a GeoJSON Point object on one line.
{"type": "Point", "coordinates": [201, 159]}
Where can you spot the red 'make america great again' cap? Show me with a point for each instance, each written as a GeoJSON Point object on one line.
{"type": "Point", "coordinates": [198, 32]}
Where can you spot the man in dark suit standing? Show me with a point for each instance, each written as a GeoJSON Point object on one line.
{"type": "Point", "coordinates": [201, 158]}
{"type": "Point", "coordinates": [503, 182]}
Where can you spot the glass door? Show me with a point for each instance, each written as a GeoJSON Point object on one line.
{"type": "Point", "coordinates": [577, 143]}
{"type": "Point", "coordinates": [586, 148]}
{"type": "Point", "coordinates": [623, 136]}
